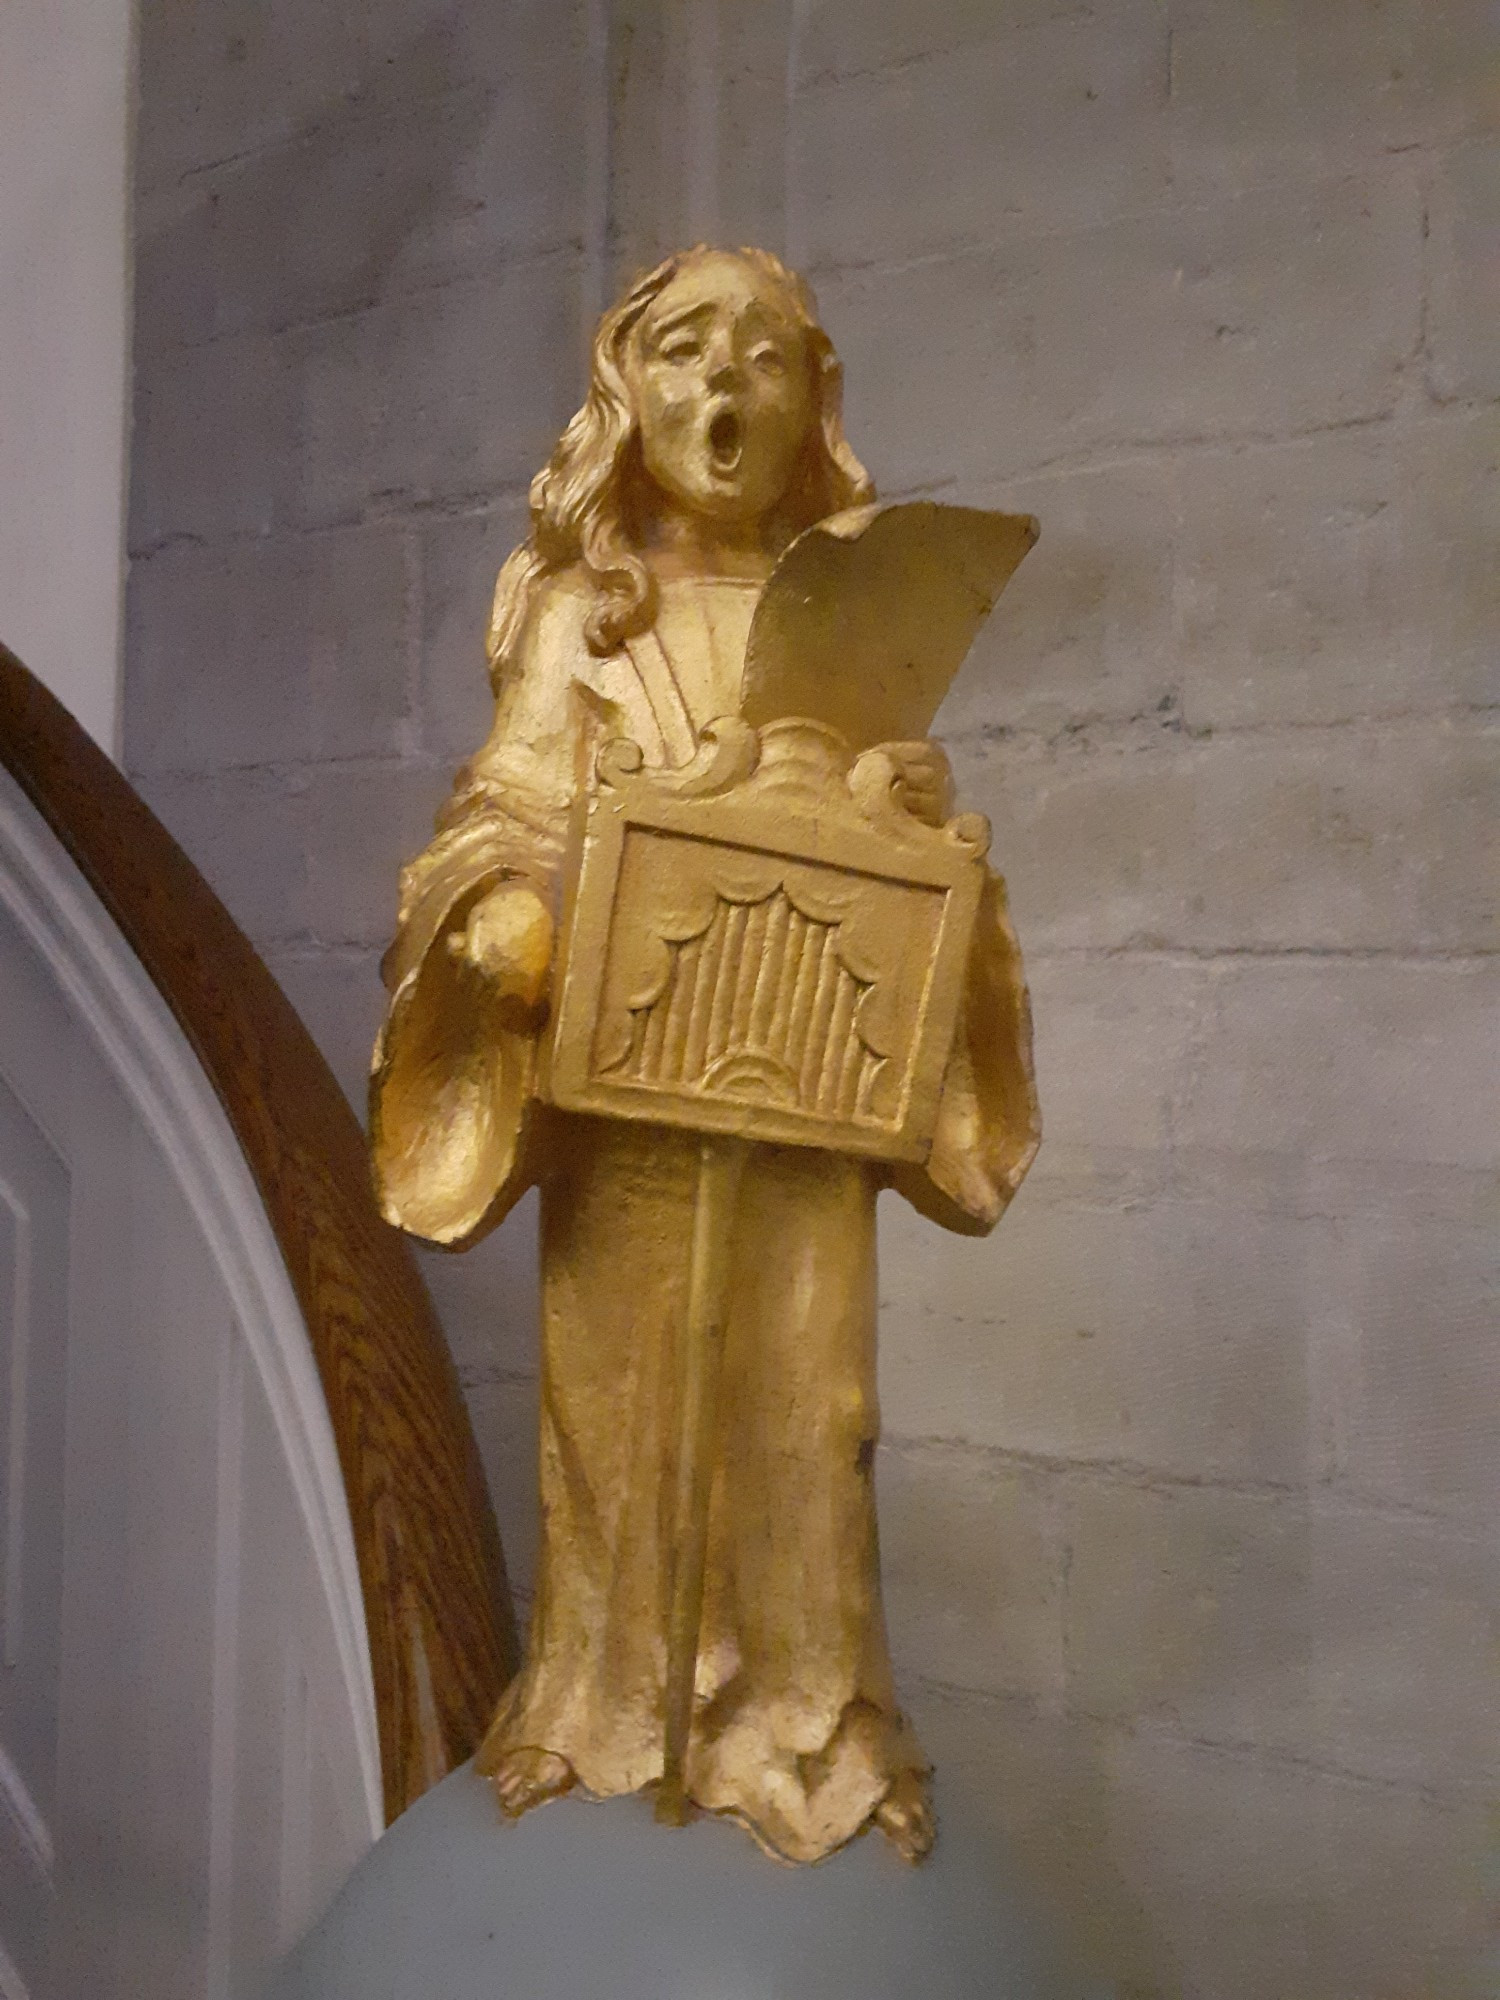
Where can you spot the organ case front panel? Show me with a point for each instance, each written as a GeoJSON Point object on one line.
{"type": "Point", "coordinates": [769, 961]}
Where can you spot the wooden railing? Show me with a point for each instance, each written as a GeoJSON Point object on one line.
{"type": "Point", "coordinates": [436, 1603]}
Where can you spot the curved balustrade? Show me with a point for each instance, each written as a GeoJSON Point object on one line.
{"type": "Point", "coordinates": [431, 1574]}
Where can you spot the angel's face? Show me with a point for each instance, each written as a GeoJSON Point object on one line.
{"type": "Point", "coordinates": [721, 378]}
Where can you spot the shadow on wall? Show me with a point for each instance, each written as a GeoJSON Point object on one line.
{"type": "Point", "coordinates": [313, 228]}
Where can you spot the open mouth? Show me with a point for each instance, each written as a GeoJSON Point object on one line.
{"type": "Point", "coordinates": [726, 439]}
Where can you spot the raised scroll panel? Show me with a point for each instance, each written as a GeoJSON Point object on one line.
{"type": "Point", "coordinates": [778, 955]}
{"type": "Point", "coordinates": [34, 1201]}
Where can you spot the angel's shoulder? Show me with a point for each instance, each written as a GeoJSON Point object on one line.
{"type": "Point", "coordinates": [553, 632]}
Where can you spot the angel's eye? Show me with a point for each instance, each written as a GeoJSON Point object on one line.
{"type": "Point", "coordinates": [769, 360]}
{"type": "Point", "coordinates": [684, 347]}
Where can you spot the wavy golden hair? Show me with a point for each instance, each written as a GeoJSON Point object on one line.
{"type": "Point", "coordinates": [585, 499]}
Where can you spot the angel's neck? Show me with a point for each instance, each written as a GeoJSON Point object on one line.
{"type": "Point", "coordinates": [681, 546]}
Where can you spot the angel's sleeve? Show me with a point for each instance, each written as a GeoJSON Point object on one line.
{"type": "Point", "coordinates": [452, 1085]}
{"type": "Point", "coordinates": [989, 1123]}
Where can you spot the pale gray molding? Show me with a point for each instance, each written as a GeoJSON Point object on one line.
{"type": "Point", "coordinates": [33, 1835]}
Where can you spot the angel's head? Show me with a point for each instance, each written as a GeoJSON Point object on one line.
{"type": "Point", "coordinates": [714, 403]}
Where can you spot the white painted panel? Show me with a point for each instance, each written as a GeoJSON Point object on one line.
{"type": "Point", "coordinates": [96, 1699]}
{"type": "Point", "coordinates": [212, 1771]}
{"type": "Point", "coordinates": [39, 1053]}
{"type": "Point", "coordinates": [179, 1319]}
{"type": "Point", "coordinates": [298, 1807]}
{"type": "Point", "coordinates": [33, 1334]}
{"type": "Point", "coordinates": [122, 1016]}
{"type": "Point", "coordinates": [34, 1197]}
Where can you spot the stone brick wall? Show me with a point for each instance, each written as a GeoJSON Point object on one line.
{"type": "Point", "coordinates": [364, 281]}
{"type": "Point", "coordinates": [1191, 1476]}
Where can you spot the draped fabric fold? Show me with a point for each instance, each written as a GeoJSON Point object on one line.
{"type": "Point", "coordinates": [796, 1728]}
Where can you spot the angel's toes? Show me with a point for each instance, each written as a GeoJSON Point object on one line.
{"type": "Point", "coordinates": [905, 1817]}
{"type": "Point", "coordinates": [527, 1778]}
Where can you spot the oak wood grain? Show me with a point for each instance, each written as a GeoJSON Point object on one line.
{"type": "Point", "coordinates": [437, 1606]}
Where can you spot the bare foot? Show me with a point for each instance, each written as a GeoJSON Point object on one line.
{"type": "Point", "coordinates": [905, 1817]}
{"type": "Point", "coordinates": [527, 1778]}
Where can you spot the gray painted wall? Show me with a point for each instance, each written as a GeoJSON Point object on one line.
{"type": "Point", "coordinates": [67, 94]}
{"type": "Point", "coordinates": [1191, 1474]}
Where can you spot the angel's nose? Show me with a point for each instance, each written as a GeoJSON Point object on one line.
{"type": "Point", "coordinates": [723, 368]}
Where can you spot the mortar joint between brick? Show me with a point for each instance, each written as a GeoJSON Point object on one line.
{"type": "Point", "coordinates": [352, 957]}
{"type": "Point", "coordinates": [1172, 446]}
{"type": "Point", "coordinates": [474, 279]}
{"type": "Point", "coordinates": [413, 612]}
{"type": "Point", "coordinates": [1060, 1476]}
{"type": "Point", "coordinates": [297, 773]}
{"type": "Point", "coordinates": [1418, 374]}
{"type": "Point", "coordinates": [1205, 1008]}
{"type": "Point", "coordinates": [1277, 1756]}
{"type": "Point", "coordinates": [356, 109]}
{"type": "Point", "coordinates": [1158, 952]}
{"type": "Point", "coordinates": [1236, 1750]}
{"type": "Point", "coordinates": [1200, 201]}
{"type": "Point", "coordinates": [180, 538]}
{"type": "Point", "coordinates": [492, 1375]}
{"type": "Point", "coordinates": [999, 1461]}
{"type": "Point", "coordinates": [386, 510]}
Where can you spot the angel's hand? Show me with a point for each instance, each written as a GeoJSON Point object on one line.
{"type": "Point", "coordinates": [924, 780]}
{"type": "Point", "coordinates": [508, 940]}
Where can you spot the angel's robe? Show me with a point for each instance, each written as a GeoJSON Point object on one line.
{"type": "Point", "coordinates": [796, 1730]}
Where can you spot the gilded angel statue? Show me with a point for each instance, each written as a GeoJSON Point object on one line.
{"type": "Point", "coordinates": [701, 951]}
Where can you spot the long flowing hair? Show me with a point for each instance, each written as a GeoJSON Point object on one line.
{"type": "Point", "coordinates": [585, 500]}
